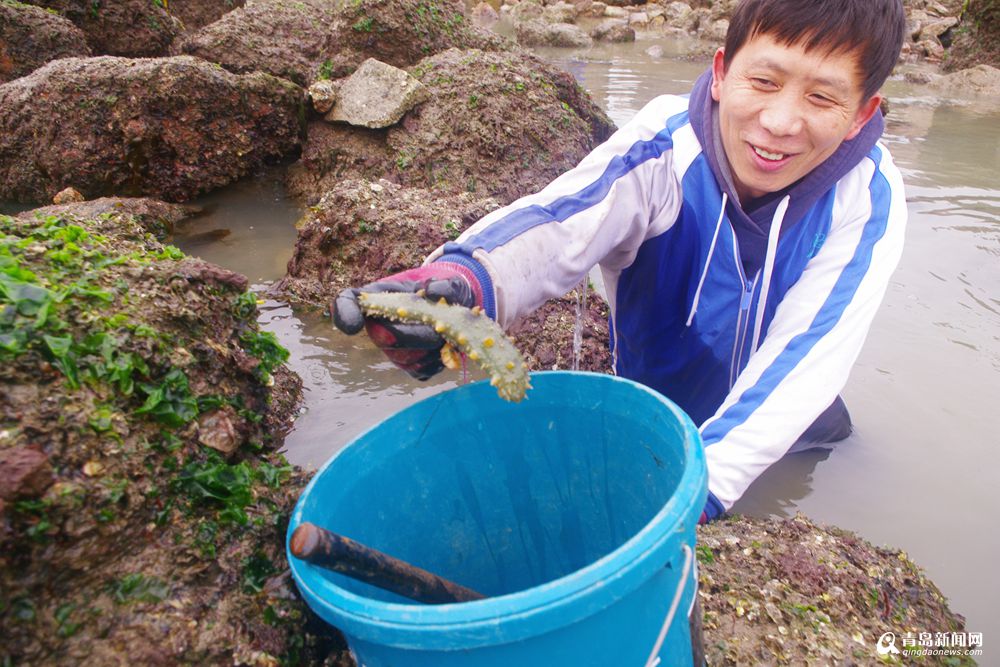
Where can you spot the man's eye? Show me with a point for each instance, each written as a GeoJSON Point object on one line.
{"type": "Point", "coordinates": [822, 100]}
{"type": "Point", "coordinates": [764, 83]}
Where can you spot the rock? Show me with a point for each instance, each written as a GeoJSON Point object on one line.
{"type": "Point", "coordinates": [545, 336]}
{"type": "Point", "coordinates": [978, 80]}
{"type": "Point", "coordinates": [484, 15]}
{"type": "Point", "coordinates": [193, 524]}
{"type": "Point", "coordinates": [197, 271]}
{"type": "Point", "coordinates": [323, 94]}
{"type": "Point", "coordinates": [67, 196]}
{"type": "Point", "coordinates": [614, 30]}
{"type": "Point", "coordinates": [560, 12]}
{"type": "Point", "coordinates": [169, 128]}
{"type": "Point", "coordinates": [722, 9]}
{"type": "Point", "coordinates": [638, 19]}
{"type": "Point", "coordinates": [307, 40]}
{"type": "Point", "coordinates": [715, 31]}
{"type": "Point", "coordinates": [937, 8]}
{"type": "Point", "coordinates": [156, 217]}
{"type": "Point", "coordinates": [698, 21]}
{"type": "Point", "coordinates": [616, 13]}
{"type": "Point", "coordinates": [362, 230]}
{"type": "Point", "coordinates": [495, 124]}
{"type": "Point", "coordinates": [919, 77]}
{"type": "Point", "coordinates": [807, 591]}
{"type": "Point", "coordinates": [196, 14]}
{"type": "Point", "coordinates": [24, 473]}
{"type": "Point", "coordinates": [537, 33]}
{"type": "Point", "coordinates": [131, 28]}
{"type": "Point", "coordinates": [376, 95]}
{"type": "Point", "coordinates": [31, 37]}
{"type": "Point", "coordinates": [916, 19]}
{"type": "Point", "coordinates": [677, 14]}
{"type": "Point", "coordinates": [935, 29]}
{"type": "Point", "coordinates": [286, 39]}
{"type": "Point", "coordinates": [216, 429]}
{"type": "Point", "coordinates": [597, 9]}
{"type": "Point", "coordinates": [655, 51]}
{"type": "Point", "coordinates": [527, 9]}
{"type": "Point", "coordinates": [931, 49]}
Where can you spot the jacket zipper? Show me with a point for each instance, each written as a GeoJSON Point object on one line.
{"type": "Point", "coordinates": [743, 318]}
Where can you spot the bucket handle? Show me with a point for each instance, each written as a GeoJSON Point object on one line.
{"type": "Point", "coordinates": [654, 659]}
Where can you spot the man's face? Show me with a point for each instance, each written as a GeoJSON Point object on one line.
{"type": "Point", "coordinates": [784, 110]}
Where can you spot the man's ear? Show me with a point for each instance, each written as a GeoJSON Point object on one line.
{"type": "Point", "coordinates": [718, 73]}
{"type": "Point", "coordinates": [864, 114]}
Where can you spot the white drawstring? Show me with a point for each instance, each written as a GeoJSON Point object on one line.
{"type": "Point", "coordinates": [772, 250]}
{"type": "Point", "coordinates": [708, 260]}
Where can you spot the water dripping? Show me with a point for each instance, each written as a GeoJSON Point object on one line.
{"type": "Point", "coordinates": [581, 308]}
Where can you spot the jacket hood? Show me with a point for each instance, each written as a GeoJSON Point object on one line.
{"type": "Point", "coordinates": [752, 226]}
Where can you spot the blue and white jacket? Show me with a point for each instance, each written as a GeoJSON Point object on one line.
{"type": "Point", "coordinates": [754, 350]}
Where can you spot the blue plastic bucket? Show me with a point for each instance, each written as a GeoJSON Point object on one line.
{"type": "Point", "coordinates": [574, 511]}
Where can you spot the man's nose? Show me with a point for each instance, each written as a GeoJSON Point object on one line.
{"type": "Point", "coordinates": [782, 118]}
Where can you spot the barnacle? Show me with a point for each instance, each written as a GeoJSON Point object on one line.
{"type": "Point", "coordinates": [478, 337]}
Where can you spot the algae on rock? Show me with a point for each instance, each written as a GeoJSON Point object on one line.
{"type": "Point", "coordinates": [118, 357]}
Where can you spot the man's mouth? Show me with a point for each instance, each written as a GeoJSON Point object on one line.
{"type": "Point", "coordinates": [768, 155]}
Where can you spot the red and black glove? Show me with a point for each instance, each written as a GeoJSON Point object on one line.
{"type": "Point", "coordinates": [416, 348]}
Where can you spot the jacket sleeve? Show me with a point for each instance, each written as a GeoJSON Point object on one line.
{"type": "Point", "coordinates": [600, 212]}
{"type": "Point", "coordinates": [816, 334]}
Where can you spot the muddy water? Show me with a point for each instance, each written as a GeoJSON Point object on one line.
{"type": "Point", "coordinates": [919, 471]}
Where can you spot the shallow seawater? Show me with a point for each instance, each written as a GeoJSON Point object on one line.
{"type": "Point", "coordinates": [917, 474]}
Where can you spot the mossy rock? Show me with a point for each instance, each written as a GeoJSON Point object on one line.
{"type": "Point", "coordinates": [149, 407]}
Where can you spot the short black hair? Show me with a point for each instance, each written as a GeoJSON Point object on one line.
{"type": "Point", "coordinates": [871, 28]}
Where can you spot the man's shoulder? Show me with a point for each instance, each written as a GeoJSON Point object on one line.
{"type": "Point", "coordinates": [665, 108]}
{"type": "Point", "coordinates": [875, 169]}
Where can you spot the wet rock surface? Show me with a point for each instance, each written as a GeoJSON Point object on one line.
{"type": "Point", "coordinates": [30, 37]}
{"type": "Point", "coordinates": [545, 337]}
{"type": "Point", "coordinates": [169, 128]}
{"type": "Point", "coordinates": [613, 30]}
{"type": "Point", "coordinates": [125, 540]}
{"type": "Point", "coordinates": [538, 33]}
{"type": "Point", "coordinates": [132, 28]}
{"type": "Point", "coordinates": [196, 14]}
{"type": "Point", "coordinates": [303, 40]}
{"type": "Point", "coordinates": [791, 592]}
{"type": "Point", "coordinates": [24, 473]}
{"type": "Point", "coordinates": [495, 124]}
{"type": "Point", "coordinates": [159, 218]}
{"type": "Point", "coordinates": [363, 230]}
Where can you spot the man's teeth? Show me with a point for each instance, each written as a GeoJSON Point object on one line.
{"type": "Point", "coordinates": [768, 156]}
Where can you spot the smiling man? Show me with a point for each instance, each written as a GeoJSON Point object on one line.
{"type": "Point", "coordinates": [746, 235]}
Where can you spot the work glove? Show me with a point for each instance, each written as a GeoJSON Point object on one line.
{"type": "Point", "coordinates": [416, 348]}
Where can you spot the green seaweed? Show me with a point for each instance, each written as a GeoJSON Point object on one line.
{"type": "Point", "coordinates": [475, 335]}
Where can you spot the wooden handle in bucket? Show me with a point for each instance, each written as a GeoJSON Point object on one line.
{"type": "Point", "coordinates": [341, 554]}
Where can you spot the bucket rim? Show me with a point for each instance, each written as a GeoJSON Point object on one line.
{"type": "Point", "coordinates": [618, 572]}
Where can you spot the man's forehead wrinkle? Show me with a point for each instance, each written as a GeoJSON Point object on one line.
{"type": "Point", "coordinates": [769, 63]}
